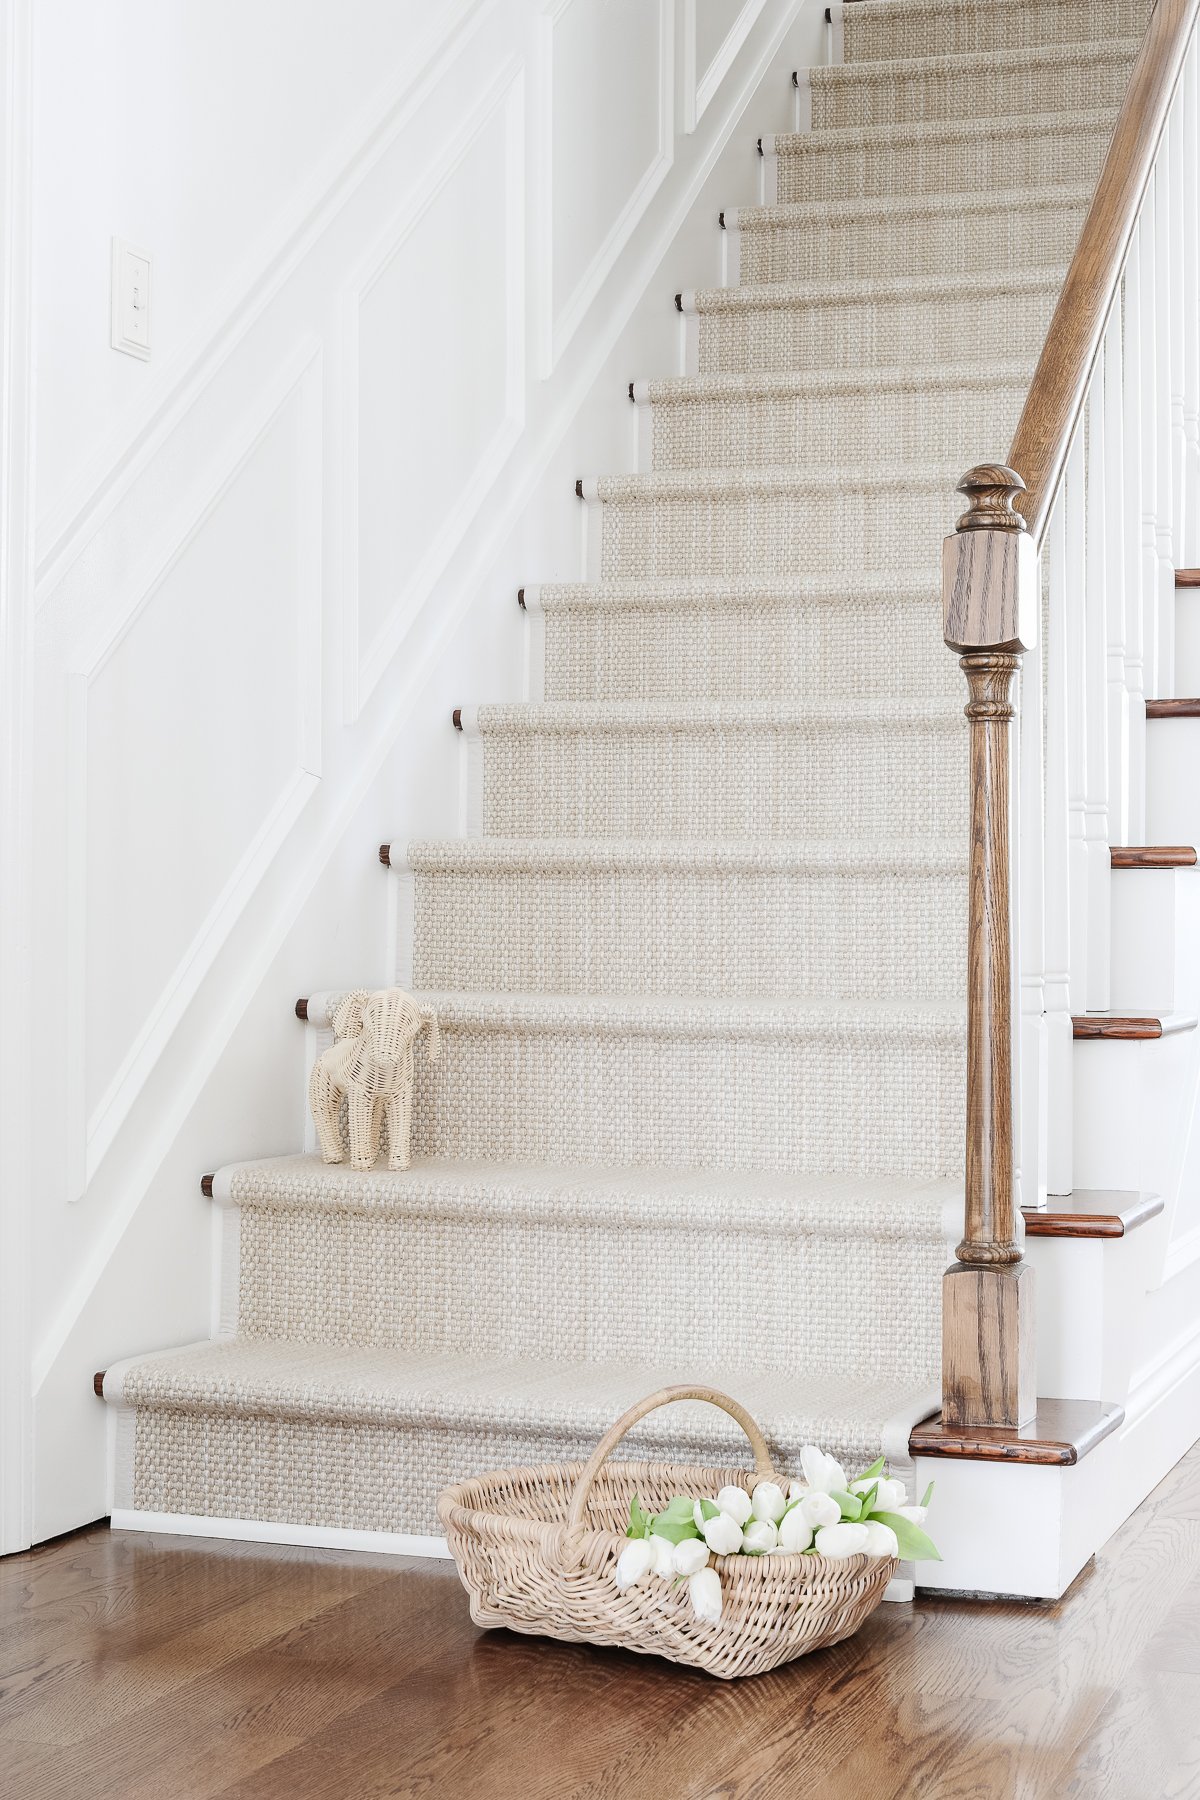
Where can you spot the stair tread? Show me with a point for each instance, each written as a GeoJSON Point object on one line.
{"type": "Point", "coordinates": [782, 590]}
{"type": "Point", "coordinates": [1090, 122]}
{"type": "Point", "coordinates": [1131, 1026]}
{"type": "Point", "coordinates": [687, 484]}
{"type": "Point", "coordinates": [568, 716]}
{"type": "Point", "coordinates": [663, 1014]}
{"type": "Point", "coordinates": [1092, 1213]}
{"type": "Point", "coordinates": [891, 69]}
{"type": "Point", "coordinates": [321, 1382]}
{"type": "Point", "coordinates": [765, 384]}
{"type": "Point", "coordinates": [857, 1206]}
{"type": "Point", "coordinates": [933, 856]}
{"type": "Point", "coordinates": [783, 213]}
{"type": "Point", "coordinates": [872, 289]}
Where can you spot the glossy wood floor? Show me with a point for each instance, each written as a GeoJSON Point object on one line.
{"type": "Point", "coordinates": [144, 1668]}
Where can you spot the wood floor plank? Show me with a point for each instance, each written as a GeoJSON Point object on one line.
{"type": "Point", "coordinates": [142, 1670]}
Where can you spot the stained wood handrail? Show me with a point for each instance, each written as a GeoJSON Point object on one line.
{"type": "Point", "coordinates": [1059, 389]}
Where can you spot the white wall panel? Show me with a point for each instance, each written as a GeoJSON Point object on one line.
{"type": "Point", "coordinates": [194, 741]}
{"type": "Point", "coordinates": [435, 376]}
{"type": "Point", "coordinates": [607, 95]}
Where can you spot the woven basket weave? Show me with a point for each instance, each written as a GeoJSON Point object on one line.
{"type": "Point", "coordinates": [536, 1548]}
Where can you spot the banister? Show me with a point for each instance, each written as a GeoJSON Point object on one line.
{"type": "Point", "coordinates": [1059, 389]}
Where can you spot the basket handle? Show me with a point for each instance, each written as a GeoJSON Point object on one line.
{"type": "Point", "coordinates": [664, 1397]}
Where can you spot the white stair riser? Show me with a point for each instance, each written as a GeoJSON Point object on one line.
{"type": "Point", "coordinates": [1000, 159]}
{"type": "Point", "coordinates": [1187, 641]}
{"type": "Point", "coordinates": [866, 249]}
{"type": "Point", "coordinates": [664, 931]}
{"type": "Point", "coordinates": [869, 1102]}
{"type": "Point", "coordinates": [874, 331]}
{"type": "Point", "coordinates": [1172, 791]}
{"type": "Point", "coordinates": [891, 650]}
{"type": "Point", "coordinates": [1150, 919]}
{"type": "Point", "coordinates": [721, 535]}
{"type": "Point", "coordinates": [575, 1290]}
{"type": "Point", "coordinates": [817, 429]}
{"type": "Point", "coordinates": [857, 783]}
{"type": "Point", "coordinates": [1076, 82]}
{"type": "Point", "coordinates": [876, 33]}
{"type": "Point", "coordinates": [1129, 1099]}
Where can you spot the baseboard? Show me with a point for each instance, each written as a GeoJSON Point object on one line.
{"type": "Point", "coordinates": [270, 1531]}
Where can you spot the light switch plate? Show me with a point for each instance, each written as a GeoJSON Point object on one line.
{"type": "Point", "coordinates": [130, 299]}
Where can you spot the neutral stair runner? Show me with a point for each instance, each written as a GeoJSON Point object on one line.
{"type": "Point", "coordinates": [701, 973]}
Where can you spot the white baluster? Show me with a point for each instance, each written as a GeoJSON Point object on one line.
{"type": "Point", "coordinates": [1189, 104]}
{"type": "Point", "coordinates": [1059, 1037]}
{"type": "Point", "coordinates": [1145, 385]}
{"type": "Point", "coordinates": [1113, 501]}
{"type": "Point", "coordinates": [1095, 639]}
{"type": "Point", "coordinates": [1031, 1075]}
{"type": "Point", "coordinates": [1161, 400]}
{"type": "Point", "coordinates": [1131, 506]}
{"type": "Point", "coordinates": [1173, 151]}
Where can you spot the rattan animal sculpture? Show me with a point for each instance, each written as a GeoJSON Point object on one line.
{"type": "Point", "coordinates": [370, 1064]}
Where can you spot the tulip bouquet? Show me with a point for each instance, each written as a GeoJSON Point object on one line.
{"type": "Point", "coordinates": [822, 1515]}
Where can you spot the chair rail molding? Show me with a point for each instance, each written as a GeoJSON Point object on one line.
{"type": "Point", "coordinates": [16, 798]}
{"type": "Point", "coordinates": [559, 320]}
{"type": "Point", "coordinates": [91, 1131]}
{"type": "Point", "coordinates": [699, 85]}
{"type": "Point", "coordinates": [363, 666]}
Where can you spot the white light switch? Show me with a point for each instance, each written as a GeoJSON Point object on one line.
{"type": "Point", "coordinates": [130, 299]}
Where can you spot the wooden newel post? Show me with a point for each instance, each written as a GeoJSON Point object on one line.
{"type": "Point", "coordinates": [991, 603]}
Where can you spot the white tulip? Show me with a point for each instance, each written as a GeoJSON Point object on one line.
{"type": "Point", "coordinates": [634, 1563]}
{"type": "Point", "coordinates": [841, 1540]}
{"type": "Point", "coordinates": [820, 1509]}
{"type": "Point", "coordinates": [797, 1490]}
{"type": "Point", "coordinates": [891, 1493]}
{"type": "Point", "coordinates": [723, 1534]}
{"type": "Point", "coordinates": [768, 1502]}
{"type": "Point", "coordinates": [916, 1515]}
{"type": "Point", "coordinates": [690, 1554]}
{"type": "Point", "coordinates": [697, 1515]}
{"type": "Point", "coordinates": [823, 1473]}
{"type": "Point", "coordinates": [704, 1592]}
{"type": "Point", "coordinates": [881, 1539]}
{"type": "Point", "coordinates": [736, 1502]}
{"type": "Point", "coordinates": [664, 1554]}
{"type": "Point", "coordinates": [795, 1532]}
{"type": "Point", "coordinates": [760, 1537]}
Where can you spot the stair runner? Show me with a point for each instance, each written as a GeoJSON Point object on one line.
{"type": "Point", "coordinates": [701, 975]}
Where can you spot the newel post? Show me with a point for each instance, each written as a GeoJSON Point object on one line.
{"type": "Point", "coordinates": [990, 598]}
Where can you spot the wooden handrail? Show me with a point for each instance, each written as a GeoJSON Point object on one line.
{"type": "Point", "coordinates": [1059, 389]}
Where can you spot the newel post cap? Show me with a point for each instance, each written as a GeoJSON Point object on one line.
{"type": "Point", "coordinates": [989, 567]}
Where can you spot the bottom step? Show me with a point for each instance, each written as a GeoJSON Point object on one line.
{"type": "Point", "coordinates": [364, 1440]}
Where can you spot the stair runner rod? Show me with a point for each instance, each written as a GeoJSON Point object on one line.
{"type": "Point", "coordinates": [990, 617]}
{"type": "Point", "coordinates": [1059, 389]}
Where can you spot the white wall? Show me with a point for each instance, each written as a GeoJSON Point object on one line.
{"type": "Point", "coordinates": [403, 271]}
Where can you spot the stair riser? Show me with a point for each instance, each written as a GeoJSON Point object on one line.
{"type": "Point", "coordinates": [824, 428]}
{"type": "Point", "coordinates": [353, 1477]}
{"type": "Point", "coordinates": [669, 932]}
{"type": "Point", "coordinates": [873, 332]}
{"type": "Point", "coordinates": [999, 160]}
{"type": "Point", "coordinates": [929, 244]}
{"type": "Point", "coordinates": [1071, 84]}
{"type": "Point", "coordinates": [725, 535]}
{"type": "Point", "coordinates": [889, 650]}
{"type": "Point", "coordinates": [874, 34]}
{"type": "Point", "coordinates": [855, 782]}
{"type": "Point", "coordinates": [841, 1102]}
{"type": "Point", "coordinates": [584, 1291]}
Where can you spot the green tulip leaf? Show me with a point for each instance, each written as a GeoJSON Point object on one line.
{"type": "Point", "coordinates": [674, 1530]}
{"type": "Point", "coordinates": [639, 1522]}
{"type": "Point", "coordinates": [866, 1501]}
{"type": "Point", "coordinates": [849, 1504]}
{"type": "Point", "coordinates": [876, 1468]}
{"type": "Point", "coordinates": [709, 1509]}
{"type": "Point", "coordinates": [913, 1543]}
{"type": "Point", "coordinates": [928, 1495]}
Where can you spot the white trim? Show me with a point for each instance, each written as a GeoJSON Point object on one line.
{"type": "Point", "coordinates": [91, 1132]}
{"type": "Point", "coordinates": [698, 91]}
{"type": "Point", "coordinates": [558, 324]}
{"type": "Point", "coordinates": [138, 438]}
{"type": "Point", "coordinates": [362, 670]}
{"type": "Point", "coordinates": [265, 1531]}
{"type": "Point", "coordinates": [16, 780]}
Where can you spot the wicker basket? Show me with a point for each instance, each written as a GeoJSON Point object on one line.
{"type": "Point", "coordinates": [530, 1561]}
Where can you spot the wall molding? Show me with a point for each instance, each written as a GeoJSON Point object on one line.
{"type": "Point", "coordinates": [16, 796]}
{"type": "Point", "coordinates": [700, 86]}
{"type": "Point", "coordinates": [364, 667]}
{"type": "Point", "coordinates": [558, 324]}
{"type": "Point", "coordinates": [64, 534]}
{"type": "Point", "coordinates": [91, 1132]}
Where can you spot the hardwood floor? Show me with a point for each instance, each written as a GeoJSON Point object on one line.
{"type": "Point", "coordinates": [144, 1668]}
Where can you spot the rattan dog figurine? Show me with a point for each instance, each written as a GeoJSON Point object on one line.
{"type": "Point", "coordinates": [370, 1064]}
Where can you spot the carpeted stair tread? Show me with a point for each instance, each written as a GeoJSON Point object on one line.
{"type": "Point", "coordinates": [745, 592]}
{"type": "Point", "coordinates": [756, 384]}
{"type": "Point", "coordinates": [1014, 82]}
{"type": "Point", "coordinates": [1090, 122]}
{"type": "Point", "coordinates": [549, 855]}
{"type": "Point", "coordinates": [877, 29]}
{"type": "Point", "coordinates": [554, 1400]}
{"type": "Point", "coordinates": [616, 717]}
{"type": "Point", "coordinates": [704, 1199]}
{"type": "Point", "coordinates": [807, 215]}
{"type": "Point", "coordinates": [781, 296]}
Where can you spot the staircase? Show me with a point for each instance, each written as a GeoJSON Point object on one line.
{"type": "Point", "coordinates": [701, 971]}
